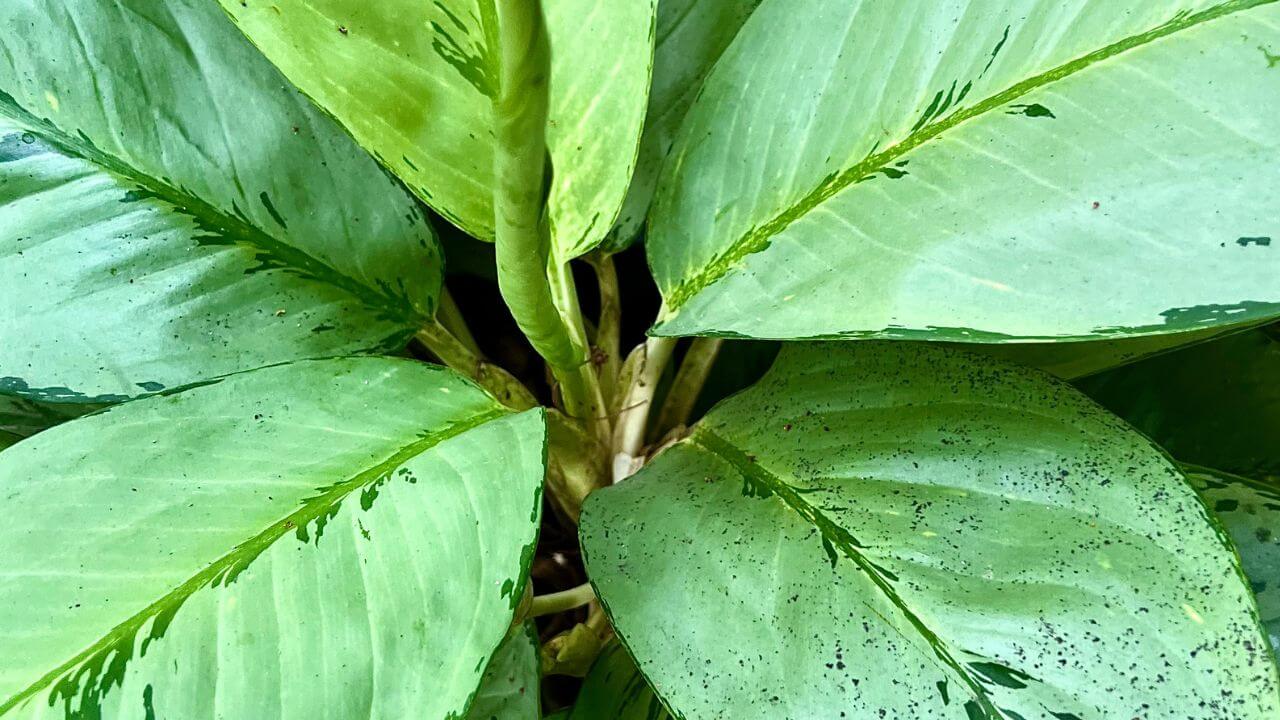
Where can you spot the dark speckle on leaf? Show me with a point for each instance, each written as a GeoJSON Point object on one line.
{"type": "Point", "coordinates": [1259, 241]}
{"type": "Point", "coordinates": [271, 210]}
{"type": "Point", "coordinates": [18, 146]}
{"type": "Point", "coordinates": [1034, 110]}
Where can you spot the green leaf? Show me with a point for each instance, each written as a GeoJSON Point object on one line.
{"type": "Point", "coordinates": [978, 172]}
{"type": "Point", "coordinates": [615, 690]}
{"type": "Point", "coordinates": [23, 417]}
{"type": "Point", "coordinates": [172, 211]}
{"type": "Point", "coordinates": [414, 82]}
{"type": "Point", "coordinates": [738, 365]}
{"type": "Point", "coordinates": [908, 530]}
{"type": "Point", "coordinates": [509, 690]}
{"type": "Point", "coordinates": [326, 539]}
{"type": "Point", "coordinates": [1216, 404]}
{"type": "Point", "coordinates": [691, 35]}
{"type": "Point", "coordinates": [1250, 511]}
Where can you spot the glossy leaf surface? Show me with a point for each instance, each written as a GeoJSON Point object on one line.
{"type": "Point", "coordinates": [170, 210]}
{"type": "Point", "coordinates": [326, 539]}
{"type": "Point", "coordinates": [977, 170]}
{"type": "Point", "coordinates": [414, 82]}
{"type": "Point", "coordinates": [906, 530]}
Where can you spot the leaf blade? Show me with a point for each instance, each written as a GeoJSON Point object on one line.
{"type": "Point", "coordinates": [889, 505]}
{"type": "Point", "coordinates": [690, 38]}
{"type": "Point", "coordinates": [1213, 404]}
{"type": "Point", "coordinates": [948, 212]}
{"type": "Point", "coordinates": [204, 206]}
{"type": "Point", "coordinates": [510, 688]}
{"type": "Point", "coordinates": [308, 542]}
{"type": "Point", "coordinates": [1250, 511]}
{"type": "Point", "coordinates": [414, 83]}
{"type": "Point", "coordinates": [615, 690]}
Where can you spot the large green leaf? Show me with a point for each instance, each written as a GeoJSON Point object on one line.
{"type": "Point", "coordinates": [615, 690]}
{"type": "Point", "coordinates": [904, 530]}
{"type": "Point", "coordinates": [326, 539]}
{"type": "Point", "coordinates": [170, 210]}
{"type": "Point", "coordinates": [1216, 404]}
{"type": "Point", "coordinates": [414, 82]}
{"type": "Point", "coordinates": [1250, 511]}
{"type": "Point", "coordinates": [691, 36]}
{"type": "Point", "coordinates": [509, 690]}
{"type": "Point", "coordinates": [978, 170]}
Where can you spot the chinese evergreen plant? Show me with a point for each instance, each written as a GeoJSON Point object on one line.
{"type": "Point", "coordinates": [1015, 459]}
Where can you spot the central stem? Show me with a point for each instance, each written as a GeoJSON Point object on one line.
{"type": "Point", "coordinates": [534, 285]}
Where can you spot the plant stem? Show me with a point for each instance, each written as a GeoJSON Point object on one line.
{"type": "Point", "coordinates": [628, 434]}
{"type": "Point", "coordinates": [609, 324]}
{"type": "Point", "coordinates": [596, 619]}
{"type": "Point", "coordinates": [694, 369]}
{"type": "Point", "coordinates": [583, 397]}
{"type": "Point", "coordinates": [455, 354]}
{"type": "Point", "coordinates": [561, 601]}
{"type": "Point", "coordinates": [537, 289]}
{"type": "Point", "coordinates": [451, 318]}
{"type": "Point", "coordinates": [523, 243]}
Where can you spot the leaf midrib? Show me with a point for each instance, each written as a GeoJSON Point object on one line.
{"type": "Point", "coordinates": [839, 538]}
{"type": "Point", "coordinates": [206, 215]}
{"type": "Point", "coordinates": [246, 552]}
{"type": "Point", "coordinates": [759, 237]}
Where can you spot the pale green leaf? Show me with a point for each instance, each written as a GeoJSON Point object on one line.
{"type": "Point", "coordinates": [326, 539]}
{"type": "Point", "coordinates": [978, 170]}
{"type": "Point", "coordinates": [172, 211]}
{"type": "Point", "coordinates": [509, 690]}
{"type": "Point", "coordinates": [414, 82]}
{"type": "Point", "coordinates": [615, 690]}
{"type": "Point", "coordinates": [910, 531]}
{"type": "Point", "coordinates": [1250, 511]}
{"type": "Point", "coordinates": [690, 38]}
{"type": "Point", "coordinates": [1216, 404]}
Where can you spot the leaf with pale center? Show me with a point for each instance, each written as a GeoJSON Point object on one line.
{"type": "Point", "coordinates": [910, 531]}
{"type": "Point", "coordinates": [978, 171]}
{"type": "Point", "coordinates": [326, 539]}
{"type": "Point", "coordinates": [171, 210]}
{"type": "Point", "coordinates": [415, 82]}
